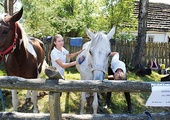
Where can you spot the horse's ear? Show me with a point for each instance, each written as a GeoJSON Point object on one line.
{"type": "Point", "coordinates": [111, 33]}
{"type": "Point", "coordinates": [89, 33]}
{"type": "Point", "coordinates": [17, 15]}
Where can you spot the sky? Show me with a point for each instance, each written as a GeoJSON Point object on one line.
{"type": "Point", "coordinates": [160, 1]}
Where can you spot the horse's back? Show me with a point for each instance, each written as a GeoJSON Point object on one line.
{"type": "Point", "coordinates": [39, 49]}
{"type": "Point", "coordinates": [86, 45]}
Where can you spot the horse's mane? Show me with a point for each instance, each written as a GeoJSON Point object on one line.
{"type": "Point", "coordinates": [24, 36]}
{"type": "Point", "coordinates": [28, 47]}
{"type": "Point", "coordinates": [100, 40]}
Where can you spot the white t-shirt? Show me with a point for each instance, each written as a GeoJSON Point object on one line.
{"type": "Point", "coordinates": [55, 55]}
{"type": "Point", "coordinates": [116, 63]}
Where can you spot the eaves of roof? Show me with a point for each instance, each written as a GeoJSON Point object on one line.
{"type": "Point", "coordinates": [158, 18]}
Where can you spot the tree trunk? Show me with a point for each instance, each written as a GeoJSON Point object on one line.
{"type": "Point", "coordinates": [8, 6]}
{"type": "Point", "coordinates": [5, 6]}
{"type": "Point", "coordinates": [141, 38]}
{"type": "Point", "coordinates": [11, 7]}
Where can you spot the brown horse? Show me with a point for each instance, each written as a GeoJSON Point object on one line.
{"type": "Point", "coordinates": [23, 56]}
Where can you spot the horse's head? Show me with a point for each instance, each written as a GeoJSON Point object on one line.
{"type": "Point", "coordinates": [99, 51]}
{"type": "Point", "coordinates": [8, 33]}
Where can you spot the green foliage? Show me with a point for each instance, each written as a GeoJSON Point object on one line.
{"type": "Point", "coordinates": [69, 18]}
{"type": "Point", "coordinates": [2, 69]}
{"type": "Point", "coordinates": [125, 36]}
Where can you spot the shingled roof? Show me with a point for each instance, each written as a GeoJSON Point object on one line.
{"type": "Point", "coordinates": [158, 16]}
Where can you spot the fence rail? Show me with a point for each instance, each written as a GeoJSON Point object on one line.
{"type": "Point", "coordinates": [41, 116]}
{"type": "Point", "coordinates": [11, 82]}
{"type": "Point", "coordinates": [55, 86]}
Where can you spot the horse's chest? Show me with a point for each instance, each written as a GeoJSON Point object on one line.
{"type": "Point", "coordinates": [19, 66]}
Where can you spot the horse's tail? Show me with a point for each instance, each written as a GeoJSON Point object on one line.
{"type": "Point", "coordinates": [43, 67]}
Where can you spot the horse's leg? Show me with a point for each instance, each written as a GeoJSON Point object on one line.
{"type": "Point", "coordinates": [28, 97]}
{"type": "Point", "coordinates": [95, 103]}
{"type": "Point", "coordinates": [99, 103]}
{"type": "Point", "coordinates": [83, 102]}
{"type": "Point", "coordinates": [34, 101]}
{"type": "Point", "coordinates": [128, 100]}
{"type": "Point", "coordinates": [14, 100]}
{"type": "Point", "coordinates": [108, 96]}
{"type": "Point", "coordinates": [28, 94]}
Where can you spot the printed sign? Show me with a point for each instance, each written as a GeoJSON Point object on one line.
{"type": "Point", "coordinates": [160, 95]}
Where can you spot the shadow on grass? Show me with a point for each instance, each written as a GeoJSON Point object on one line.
{"type": "Point", "coordinates": [72, 70]}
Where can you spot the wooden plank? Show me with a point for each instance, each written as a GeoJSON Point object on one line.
{"type": "Point", "coordinates": [54, 106]}
{"type": "Point", "coordinates": [11, 82]}
{"type": "Point", "coordinates": [41, 116]}
{"type": "Point", "coordinates": [156, 51]}
{"type": "Point", "coordinates": [23, 116]}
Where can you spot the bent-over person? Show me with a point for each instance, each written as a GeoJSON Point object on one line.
{"type": "Point", "coordinates": [117, 71]}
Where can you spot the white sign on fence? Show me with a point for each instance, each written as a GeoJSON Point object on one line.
{"type": "Point", "coordinates": [160, 95]}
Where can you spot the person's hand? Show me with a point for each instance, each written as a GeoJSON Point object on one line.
{"type": "Point", "coordinates": [79, 51]}
{"type": "Point", "coordinates": [113, 53]}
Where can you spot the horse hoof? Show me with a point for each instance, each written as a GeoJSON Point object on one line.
{"type": "Point", "coordinates": [35, 110]}
{"type": "Point", "coordinates": [28, 101]}
{"type": "Point", "coordinates": [106, 107]}
{"type": "Point", "coordinates": [130, 109]}
{"type": "Point", "coordinates": [81, 113]}
{"type": "Point", "coordinates": [42, 94]}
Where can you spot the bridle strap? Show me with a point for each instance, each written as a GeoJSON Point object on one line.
{"type": "Point", "coordinates": [97, 68]}
{"type": "Point", "coordinates": [11, 48]}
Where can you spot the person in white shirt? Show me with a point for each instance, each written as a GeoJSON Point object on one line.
{"type": "Point", "coordinates": [117, 71]}
{"type": "Point", "coordinates": [58, 54]}
{"type": "Point", "coordinates": [118, 67]}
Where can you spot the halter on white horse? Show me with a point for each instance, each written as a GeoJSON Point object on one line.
{"type": "Point", "coordinates": [95, 65]}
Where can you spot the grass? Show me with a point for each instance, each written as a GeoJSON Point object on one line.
{"type": "Point", "coordinates": [70, 101]}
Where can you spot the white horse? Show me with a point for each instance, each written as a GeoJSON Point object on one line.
{"type": "Point", "coordinates": [95, 65]}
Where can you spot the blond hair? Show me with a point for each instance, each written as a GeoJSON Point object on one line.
{"type": "Point", "coordinates": [120, 76]}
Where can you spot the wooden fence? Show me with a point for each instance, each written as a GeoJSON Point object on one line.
{"type": "Point", "coordinates": [160, 52]}
{"type": "Point", "coordinates": [55, 86]}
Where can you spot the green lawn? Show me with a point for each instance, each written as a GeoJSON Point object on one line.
{"type": "Point", "coordinates": [70, 102]}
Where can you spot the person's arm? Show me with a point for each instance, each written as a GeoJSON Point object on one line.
{"type": "Point", "coordinates": [113, 53]}
{"type": "Point", "coordinates": [74, 54]}
{"type": "Point", "coordinates": [65, 65]}
{"type": "Point", "coordinates": [109, 77]}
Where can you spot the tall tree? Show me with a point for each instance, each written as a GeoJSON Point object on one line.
{"type": "Point", "coordinates": [70, 17]}
{"type": "Point", "coordinates": [8, 6]}
{"type": "Point", "coordinates": [141, 38]}
{"type": "Point", "coordinates": [119, 13]}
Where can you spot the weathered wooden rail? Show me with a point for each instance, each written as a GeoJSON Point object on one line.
{"type": "Point", "coordinates": [55, 86]}
{"type": "Point", "coordinates": [41, 116]}
{"type": "Point", "coordinates": [11, 82]}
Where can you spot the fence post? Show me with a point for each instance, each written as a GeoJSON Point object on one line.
{"type": "Point", "coordinates": [54, 105]}
{"type": "Point", "coordinates": [54, 97]}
